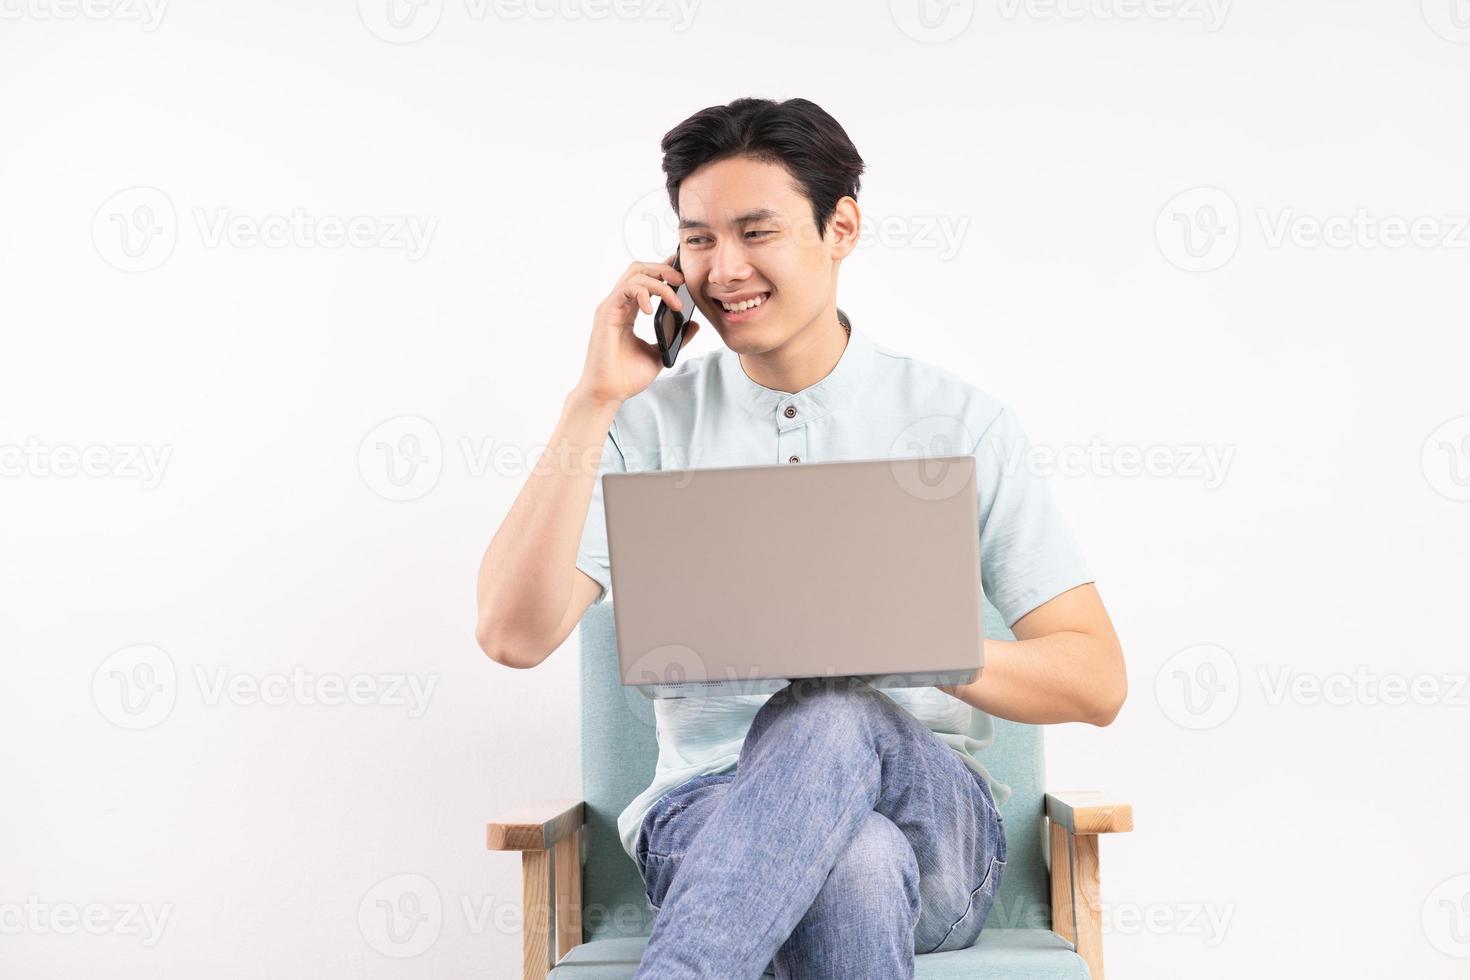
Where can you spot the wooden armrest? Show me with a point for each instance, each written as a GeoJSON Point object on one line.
{"type": "Point", "coordinates": [548, 833]}
{"type": "Point", "coordinates": [1076, 818]}
{"type": "Point", "coordinates": [535, 826]}
{"type": "Point", "coordinates": [1088, 812]}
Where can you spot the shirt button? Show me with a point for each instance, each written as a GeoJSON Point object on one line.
{"type": "Point", "coordinates": [791, 411]}
{"type": "Point", "coordinates": [794, 459]}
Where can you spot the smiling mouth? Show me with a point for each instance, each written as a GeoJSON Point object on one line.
{"type": "Point", "coordinates": [754, 303]}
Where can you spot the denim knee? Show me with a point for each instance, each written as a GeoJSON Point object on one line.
{"type": "Point", "coordinates": [876, 875]}
{"type": "Point", "coordinates": [832, 698]}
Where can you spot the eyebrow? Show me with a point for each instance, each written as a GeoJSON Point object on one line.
{"type": "Point", "coordinates": [759, 214]}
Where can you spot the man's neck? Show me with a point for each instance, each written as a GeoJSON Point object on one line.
{"type": "Point", "coordinates": [803, 360]}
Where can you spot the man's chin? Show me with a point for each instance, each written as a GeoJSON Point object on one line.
{"type": "Point", "coordinates": [750, 339]}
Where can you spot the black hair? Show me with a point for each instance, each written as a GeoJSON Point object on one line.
{"type": "Point", "coordinates": [797, 133]}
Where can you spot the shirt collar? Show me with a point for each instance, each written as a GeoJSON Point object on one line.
{"type": "Point", "coordinates": [838, 390]}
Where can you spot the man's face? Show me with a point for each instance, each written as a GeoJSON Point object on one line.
{"type": "Point", "coordinates": [745, 230]}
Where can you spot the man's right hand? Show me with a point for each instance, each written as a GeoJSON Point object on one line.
{"type": "Point", "coordinates": [620, 365]}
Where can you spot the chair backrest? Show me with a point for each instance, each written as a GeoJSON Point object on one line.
{"type": "Point", "coordinates": [620, 747]}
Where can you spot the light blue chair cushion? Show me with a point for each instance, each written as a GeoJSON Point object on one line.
{"type": "Point", "coordinates": [619, 748]}
{"type": "Point", "coordinates": [1001, 954]}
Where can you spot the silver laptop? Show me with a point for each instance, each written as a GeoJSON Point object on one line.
{"type": "Point", "coordinates": [736, 580]}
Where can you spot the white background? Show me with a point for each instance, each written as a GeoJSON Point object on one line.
{"type": "Point", "coordinates": [1106, 220]}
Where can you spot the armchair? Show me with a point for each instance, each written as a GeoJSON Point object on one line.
{"type": "Point", "coordinates": [586, 916]}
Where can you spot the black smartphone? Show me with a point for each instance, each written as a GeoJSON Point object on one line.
{"type": "Point", "coordinates": [669, 323]}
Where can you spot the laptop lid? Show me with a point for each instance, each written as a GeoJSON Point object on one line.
{"type": "Point", "coordinates": [734, 580]}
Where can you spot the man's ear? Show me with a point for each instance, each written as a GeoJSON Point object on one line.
{"type": "Point", "coordinates": [843, 227]}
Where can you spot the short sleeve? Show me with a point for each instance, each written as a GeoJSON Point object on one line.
{"type": "Point", "coordinates": [592, 555]}
{"type": "Point", "coordinates": [1027, 551]}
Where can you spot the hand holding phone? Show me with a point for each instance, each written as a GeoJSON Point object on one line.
{"type": "Point", "coordinates": [670, 324]}
{"type": "Point", "coordinates": [619, 363]}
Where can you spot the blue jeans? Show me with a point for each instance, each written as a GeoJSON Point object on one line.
{"type": "Point", "coordinates": [847, 839]}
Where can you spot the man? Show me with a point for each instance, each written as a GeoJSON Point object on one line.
{"type": "Point", "coordinates": [829, 829]}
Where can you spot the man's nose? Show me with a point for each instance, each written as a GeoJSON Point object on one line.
{"type": "Point", "coordinates": [728, 265]}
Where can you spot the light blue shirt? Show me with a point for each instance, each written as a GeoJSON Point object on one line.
{"type": "Point", "coordinates": [875, 404]}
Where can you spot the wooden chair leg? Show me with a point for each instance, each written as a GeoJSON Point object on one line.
{"type": "Point", "coordinates": [567, 860]}
{"type": "Point", "coordinates": [1063, 921]}
{"type": "Point", "coordinates": [536, 914]}
{"type": "Point", "coordinates": [1076, 896]}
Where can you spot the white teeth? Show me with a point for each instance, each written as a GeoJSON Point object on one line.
{"type": "Point", "coordinates": [749, 304]}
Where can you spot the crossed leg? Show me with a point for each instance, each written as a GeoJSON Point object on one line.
{"type": "Point", "coordinates": [847, 839]}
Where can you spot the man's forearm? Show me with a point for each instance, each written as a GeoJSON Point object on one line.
{"type": "Point", "coordinates": [527, 573]}
{"type": "Point", "coordinates": [1064, 676]}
